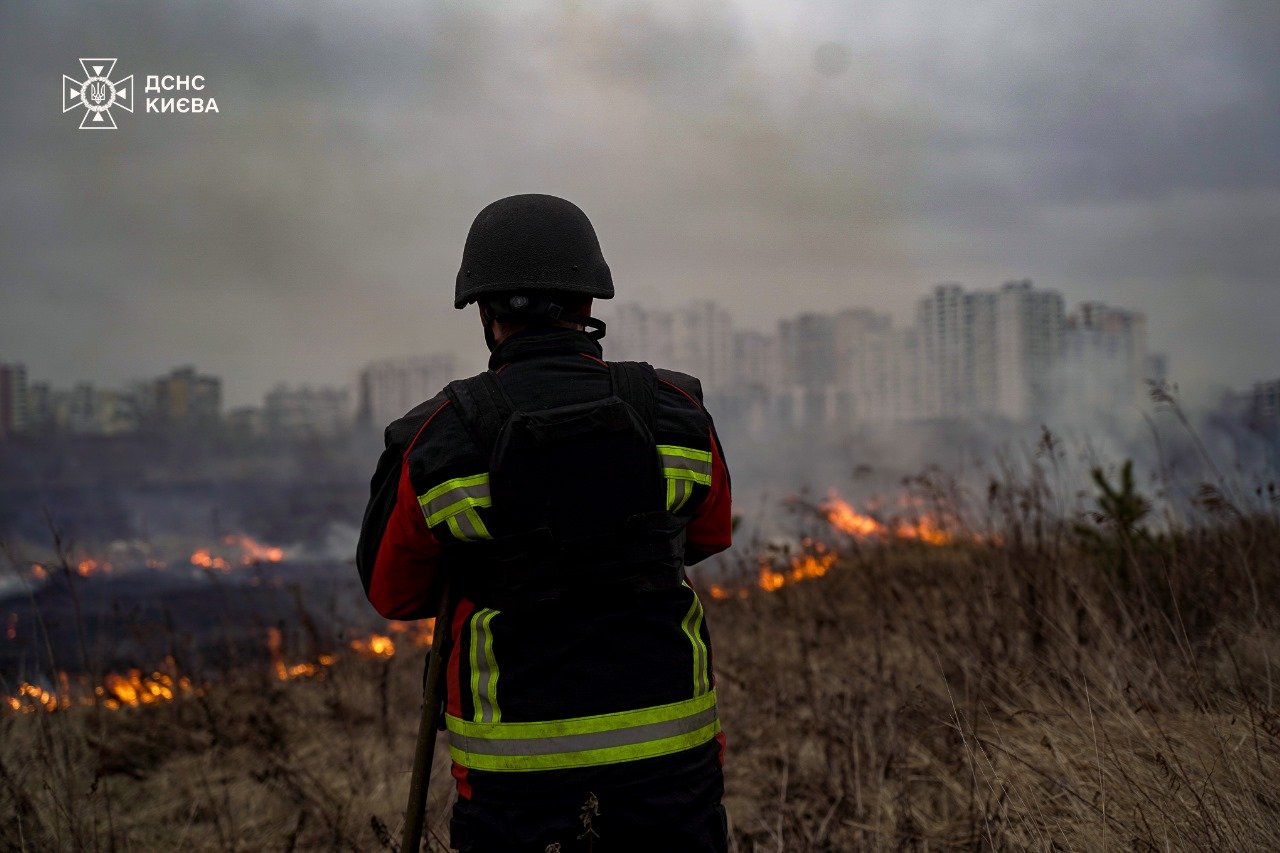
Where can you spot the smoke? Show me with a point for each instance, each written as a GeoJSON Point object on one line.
{"type": "Point", "coordinates": [775, 159]}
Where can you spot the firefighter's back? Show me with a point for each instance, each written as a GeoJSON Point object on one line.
{"type": "Point", "coordinates": [571, 676]}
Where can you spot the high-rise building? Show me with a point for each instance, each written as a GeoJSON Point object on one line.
{"type": "Point", "coordinates": [905, 390]}
{"type": "Point", "coordinates": [958, 339]}
{"type": "Point", "coordinates": [755, 362]}
{"type": "Point", "coordinates": [638, 333]}
{"type": "Point", "coordinates": [296, 412]}
{"type": "Point", "coordinates": [810, 395]}
{"type": "Point", "coordinates": [187, 399]}
{"type": "Point", "coordinates": [1105, 363]}
{"type": "Point", "coordinates": [1029, 328]}
{"type": "Point", "coordinates": [115, 412]}
{"type": "Point", "coordinates": [13, 399]}
{"type": "Point", "coordinates": [864, 342]}
{"type": "Point", "coordinates": [1265, 401]}
{"type": "Point", "coordinates": [40, 411]}
{"type": "Point", "coordinates": [696, 338]}
{"type": "Point", "coordinates": [390, 388]}
{"type": "Point", "coordinates": [703, 345]}
{"type": "Point", "coordinates": [944, 325]}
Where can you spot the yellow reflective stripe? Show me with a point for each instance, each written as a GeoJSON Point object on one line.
{"type": "Point", "coordinates": [474, 659]}
{"type": "Point", "coordinates": [692, 627]}
{"type": "Point", "coordinates": [455, 502]}
{"type": "Point", "coordinates": [686, 452]}
{"type": "Point", "coordinates": [467, 525]}
{"type": "Point", "coordinates": [584, 741]}
{"type": "Point", "coordinates": [586, 757]}
{"type": "Point", "coordinates": [491, 691]}
{"type": "Point", "coordinates": [450, 485]}
{"type": "Point", "coordinates": [463, 503]}
{"type": "Point", "coordinates": [484, 669]}
{"type": "Point", "coordinates": [678, 493]}
{"type": "Point", "coordinates": [616, 721]}
{"type": "Point", "coordinates": [685, 474]}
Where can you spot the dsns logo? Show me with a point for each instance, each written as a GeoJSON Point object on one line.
{"type": "Point", "coordinates": [97, 95]}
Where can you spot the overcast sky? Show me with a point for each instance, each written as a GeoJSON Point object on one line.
{"type": "Point", "coordinates": [776, 157]}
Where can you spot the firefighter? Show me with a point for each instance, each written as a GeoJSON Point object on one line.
{"type": "Point", "coordinates": [564, 495]}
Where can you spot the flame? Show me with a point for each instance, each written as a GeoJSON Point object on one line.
{"type": "Point", "coordinates": [923, 527]}
{"type": "Point", "coordinates": [926, 530]}
{"type": "Point", "coordinates": [780, 566]}
{"type": "Point", "coordinates": [39, 572]}
{"type": "Point", "coordinates": [814, 562]}
{"type": "Point", "coordinates": [89, 566]}
{"type": "Point", "coordinates": [134, 689]}
{"type": "Point", "coordinates": [206, 560]}
{"type": "Point", "coordinates": [375, 646]}
{"type": "Point", "coordinates": [131, 689]}
{"type": "Point", "coordinates": [418, 633]}
{"type": "Point", "coordinates": [843, 517]}
{"type": "Point", "coordinates": [252, 550]}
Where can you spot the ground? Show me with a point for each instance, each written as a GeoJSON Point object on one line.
{"type": "Point", "coordinates": [1046, 692]}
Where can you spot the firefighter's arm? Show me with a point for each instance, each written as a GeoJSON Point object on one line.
{"type": "Point", "coordinates": [397, 555]}
{"type": "Point", "coordinates": [711, 530]}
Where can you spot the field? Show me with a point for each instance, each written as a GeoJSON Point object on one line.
{"type": "Point", "coordinates": [1019, 670]}
{"type": "Point", "coordinates": [1056, 689]}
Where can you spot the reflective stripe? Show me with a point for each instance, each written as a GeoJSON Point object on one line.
{"type": "Point", "coordinates": [484, 669]}
{"type": "Point", "coordinates": [692, 627]}
{"type": "Point", "coordinates": [454, 502]}
{"type": "Point", "coordinates": [685, 463]}
{"type": "Point", "coordinates": [584, 741]}
{"type": "Point", "coordinates": [678, 491]}
{"type": "Point", "coordinates": [468, 526]}
{"type": "Point", "coordinates": [454, 496]}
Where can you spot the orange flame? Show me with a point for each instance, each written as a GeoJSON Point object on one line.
{"type": "Point", "coordinates": [924, 528]}
{"type": "Point", "coordinates": [419, 633]}
{"type": "Point", "coordinates": [90, 566]}
{"type": "Point", "coordinates": [206, 560]}
{"type": "Point", "coordinates": [375, 646]}
{"type": "Point", "coordinates": [814, 562]}
{"type": "Point", "coordinates": [843, 517]}
{"type": "Point", "coordinates": [253, 551]}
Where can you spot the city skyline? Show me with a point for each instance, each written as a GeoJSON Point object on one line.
{"type": "Point", "coordinates": [1123, 153]}
{"type": "Point", "coordinates": [471, 354]}
{"type": "Point", "coordinates": [1017, 353]}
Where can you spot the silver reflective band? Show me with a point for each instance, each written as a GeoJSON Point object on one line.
{"type": "Point", "coordinates": [583, 742]}
{"type": "Point", "coordinates": [678, 492]}
{"type": "Point", "coordinates": [453, 496]}
{"type": "Point", "coordinates": [685, 463]}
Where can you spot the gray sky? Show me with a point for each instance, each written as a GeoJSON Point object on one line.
{"type": "Point", "coordinates": [777, 157]}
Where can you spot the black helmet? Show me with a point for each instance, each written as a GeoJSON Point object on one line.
{"type": "Point", "coordinates": [531, 242]}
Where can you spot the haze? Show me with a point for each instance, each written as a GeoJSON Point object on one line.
{"type": "Point", "coordinates": [775, 157]}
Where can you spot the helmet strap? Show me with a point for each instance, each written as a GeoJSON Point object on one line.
{"type": "Point", "coordinates": [535, 311]}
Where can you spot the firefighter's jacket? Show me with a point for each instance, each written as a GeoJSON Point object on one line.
{"type": "Point", "coordinates": [567, 686]}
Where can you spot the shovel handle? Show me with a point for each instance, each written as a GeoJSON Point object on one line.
{"type": "Point", "coordinates": [424, 752]}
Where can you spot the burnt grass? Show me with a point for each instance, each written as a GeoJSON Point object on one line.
{"type": "Point", "coordinates": [1054, 691]}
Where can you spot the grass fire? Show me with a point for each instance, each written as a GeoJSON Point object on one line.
{"type": "Point", "coordinates": [893, 675]}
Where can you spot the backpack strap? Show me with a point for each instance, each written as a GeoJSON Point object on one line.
{"type": "Point", "coordinates": [636, 384]}
{"type": "Point", "coordinates": [483, 406]}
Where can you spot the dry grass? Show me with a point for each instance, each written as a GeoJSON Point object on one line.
{"type": "Point", "coordinates": [1031, 695]}
{"type": "Point", "coordinates": [1003, 698]}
